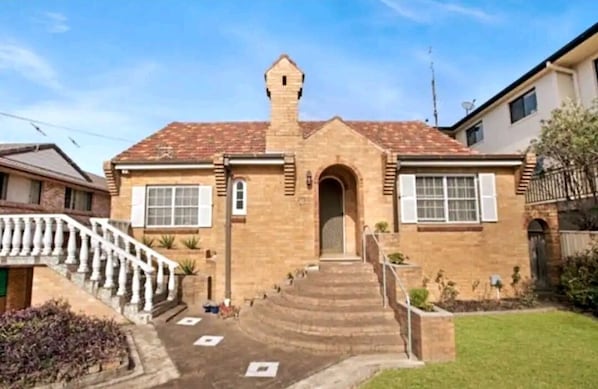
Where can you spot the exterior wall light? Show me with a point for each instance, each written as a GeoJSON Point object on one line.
{"type": "Point", "coordinates": [308, 179]}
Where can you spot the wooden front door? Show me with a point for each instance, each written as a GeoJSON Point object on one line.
{"type": "Point", "coordinates": [538, 258]}
{"type": "Point", "coordinates": [332, 234]}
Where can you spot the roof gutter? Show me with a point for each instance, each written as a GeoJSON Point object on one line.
{"type": "Point", "coordinates": [461, 161]}
{"type": "Point", "coordinates": [568, 71]}
{"type": "Point", "coordinates": [255, 159]}
{"type": "Point", "coordinates": [162, 166]}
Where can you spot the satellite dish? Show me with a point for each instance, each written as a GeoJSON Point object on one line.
{"type": "Point", "coordinates": [468, 106]}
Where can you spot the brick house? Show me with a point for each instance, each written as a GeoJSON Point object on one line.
{"type": "Point", "coordinates": [41, 179]}
{"type": "Point", "coordinates": [302, 192]}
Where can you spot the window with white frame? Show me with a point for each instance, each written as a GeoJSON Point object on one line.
{"type": "Point", "coordinates": [239, 197]}
{"type": "Point", "coordinates": [446, 199]}
{"type": "Point", "coordinates": [172, 206]}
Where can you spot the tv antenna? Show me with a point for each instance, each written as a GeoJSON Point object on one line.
{"type": "Point", "coordinates": [468, 106]}
{"type": "Point", "coordinates": [433, 88]}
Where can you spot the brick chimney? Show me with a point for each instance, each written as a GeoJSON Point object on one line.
{"type": "Point", "coordinates": [284, 85]}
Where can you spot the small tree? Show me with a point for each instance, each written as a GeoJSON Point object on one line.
{"type": "Point", "coordinates": [569, 140]}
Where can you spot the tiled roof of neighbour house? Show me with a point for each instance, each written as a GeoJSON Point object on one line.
{"type": "Point", "coordinates": [195, 142]}
{"type": "Point", "coordinates": [47, 160]}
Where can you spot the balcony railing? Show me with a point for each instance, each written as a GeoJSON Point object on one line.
{"type": "Point", "coordinates": [562, 185]}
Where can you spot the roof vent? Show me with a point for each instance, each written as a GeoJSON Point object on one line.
{"type": "Point", "coordinates": [164, 152]}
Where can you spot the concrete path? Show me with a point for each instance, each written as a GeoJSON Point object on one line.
{"type": "Point", "coordinates": [225, 364]}
{"type": "Point", "coordinates": [354, 371]}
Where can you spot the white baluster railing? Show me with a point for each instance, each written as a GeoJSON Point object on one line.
{"type": "Point", "coordinates": [151, 255]}
{"type": "Point", "coordinates": [35, 235]}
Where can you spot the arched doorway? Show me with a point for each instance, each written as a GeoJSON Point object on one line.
{"type": "Point", "coordinates": [538, 252]}
{"type": "Point", "coordinates": [338, 229]}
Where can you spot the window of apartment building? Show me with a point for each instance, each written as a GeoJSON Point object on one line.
{"type": "Point", "coordinates": [523, 106]}
{"type": "Point", "coordinates": [239, 197]}
{"type": "Point", "coordinates": [3, 185]}
{"type": "Point", "coordinates": [474, 134]}
{"type": "Point", "coordinates": [35, 192]}
{"type": "Point", "coordinates": [181, 206]}
{"type": "Point", "coordinates": [446, 199]}
{"type": "Point", "coordinates": [77, 199]}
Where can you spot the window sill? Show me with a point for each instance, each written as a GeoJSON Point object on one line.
{"type": "Point", "coordinates": [523, 119]}
{"type": "Point", "coordinates": [171, 230]}
{"type": "Point", "coordinates": [450, 228]}
{"type": "Point", "coordinates": [238, 219]}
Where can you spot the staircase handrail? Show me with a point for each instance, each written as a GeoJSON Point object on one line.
{"type": "Point", "coordinates": [385, 263]}
{"type": "Point", "coordinates": [104, 222]}
{"type": "Point", "coordinates": [69, 220]}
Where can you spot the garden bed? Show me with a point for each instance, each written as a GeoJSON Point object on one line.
{"type": "Point", "coordinates": [50, 344]}
{"type": "Point", "coordinates": [505, 304]}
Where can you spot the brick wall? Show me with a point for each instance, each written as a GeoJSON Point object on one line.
{"type": "Point", "coordinates": [475, 252]}
{"type": "Point", "coordinates": [18, 293]}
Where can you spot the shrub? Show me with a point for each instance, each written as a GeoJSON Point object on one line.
{"type": "Point", "coordinates": [419, 298]}
{"type": "Point", "coordinates": [397, 258]}
{"type": "Point", "coordinates": [149, 242]}
{"type": "Point", "coordinates": [188, 267]}
{"type": "Point", "coordinates": [381, 227]}
{"type": "Point", "coordinates": [166, 241]}
{"type": "Point", "coordinates": [579, 279]}
{"type": "Point", "coordinates": [447, 288]}
{"type": "Point", "coordinates": [50, 343]}
{"type": "Point", "coordinates": [191, 243]}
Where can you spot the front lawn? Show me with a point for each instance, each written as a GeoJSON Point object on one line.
{"type": "Point", "coordinates": [536, 350]}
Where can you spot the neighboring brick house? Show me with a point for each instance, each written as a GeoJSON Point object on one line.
{"type": "Point", "coordinates": [41, 178]}
{"type": "Point", "coordinates": [302, 192]}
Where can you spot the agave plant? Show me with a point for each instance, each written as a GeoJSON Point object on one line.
{"type": "Point", "coordinates": [166, 241]}
{"type": "Point", "coordinates": [188, 267]}
{"type": "Point", "coordinates": [191, 243]}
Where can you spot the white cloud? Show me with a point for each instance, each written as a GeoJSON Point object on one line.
{"type": "Point", "coordinates": [429, 11]}
{"type": "Point", "coordinates": [28, 64]}
{"type": "Point", "coordinates": [55, 22]}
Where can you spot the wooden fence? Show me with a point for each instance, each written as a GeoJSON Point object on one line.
{"type": "Point", "coordinates": [576, 241]}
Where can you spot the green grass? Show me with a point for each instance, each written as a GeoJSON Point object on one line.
{"type": "Point", "coordinates": [536, 350]}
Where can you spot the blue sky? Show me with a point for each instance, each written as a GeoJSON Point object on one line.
{"type": "Point", "coordinates": [126, 68]}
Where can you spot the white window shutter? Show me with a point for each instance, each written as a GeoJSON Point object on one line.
{"type": "Point", "coordinates": [138, 206]}
{"type": "Point", "coordinates": [488, 207]}
{"type": "Point", "coordinates": [408, 198]}
{"type": "Point", "coordinates": [205, 206]}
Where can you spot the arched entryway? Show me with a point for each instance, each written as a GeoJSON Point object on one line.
{"type": "Point", "coordinates": [338, 229]}
{"type": "Point", "coordinates": [538, 252]}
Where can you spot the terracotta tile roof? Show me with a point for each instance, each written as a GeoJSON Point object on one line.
{"type": "Point", "coordinates": [200, 141]}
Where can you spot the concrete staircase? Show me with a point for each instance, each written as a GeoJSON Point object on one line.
{"type": "Point", "coordinates": [337, 309]}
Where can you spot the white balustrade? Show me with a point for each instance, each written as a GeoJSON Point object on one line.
{"type": "Point", "coordinates": [135, 284]}
{"type": "Point", "coordinates": [109, 283]}
{"type": "Point", "coordinates": [96, 262]}
{"type": "Point", "coordinates": [47, 239]}
{"type": "Point", "coordinates": [6, 237]}
{"type": "Point", "coordinates": [27, 238]}
{"type": "Point", "coordinates": [171, 283]}
{"type": "Point", "coordinates": [16, 237]}
{"type": "Point", "coordinates": [37, 237]}
{"type": "Point", "coordinates": [58, 238]}
{"type": "Point", "coordinates": [149, 293]}
{"type": "Point", "coordinates": [84, 254]}
{"type": "Point", "coordinates": [71, 246]}
{"type": "Point", "coordinates": [122, 276]}
{"type": "Point", "coordinates": [160, 278]}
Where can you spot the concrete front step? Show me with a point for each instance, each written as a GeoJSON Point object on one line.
{"type": "Point", "coordinates": [335, 325]}
{"type": "Point", "coordinates": [342, 288]}
{"type": "Point", "coordinates": [356, 344]}
{"type": "Point", "coordinates": [345, 267]}
{"type": "Point", "coordinates": [323, 300]}
{"type": "Point", "coordinates": [282, 306]}
{"type": "Point", "coordinates": [339, 278]}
